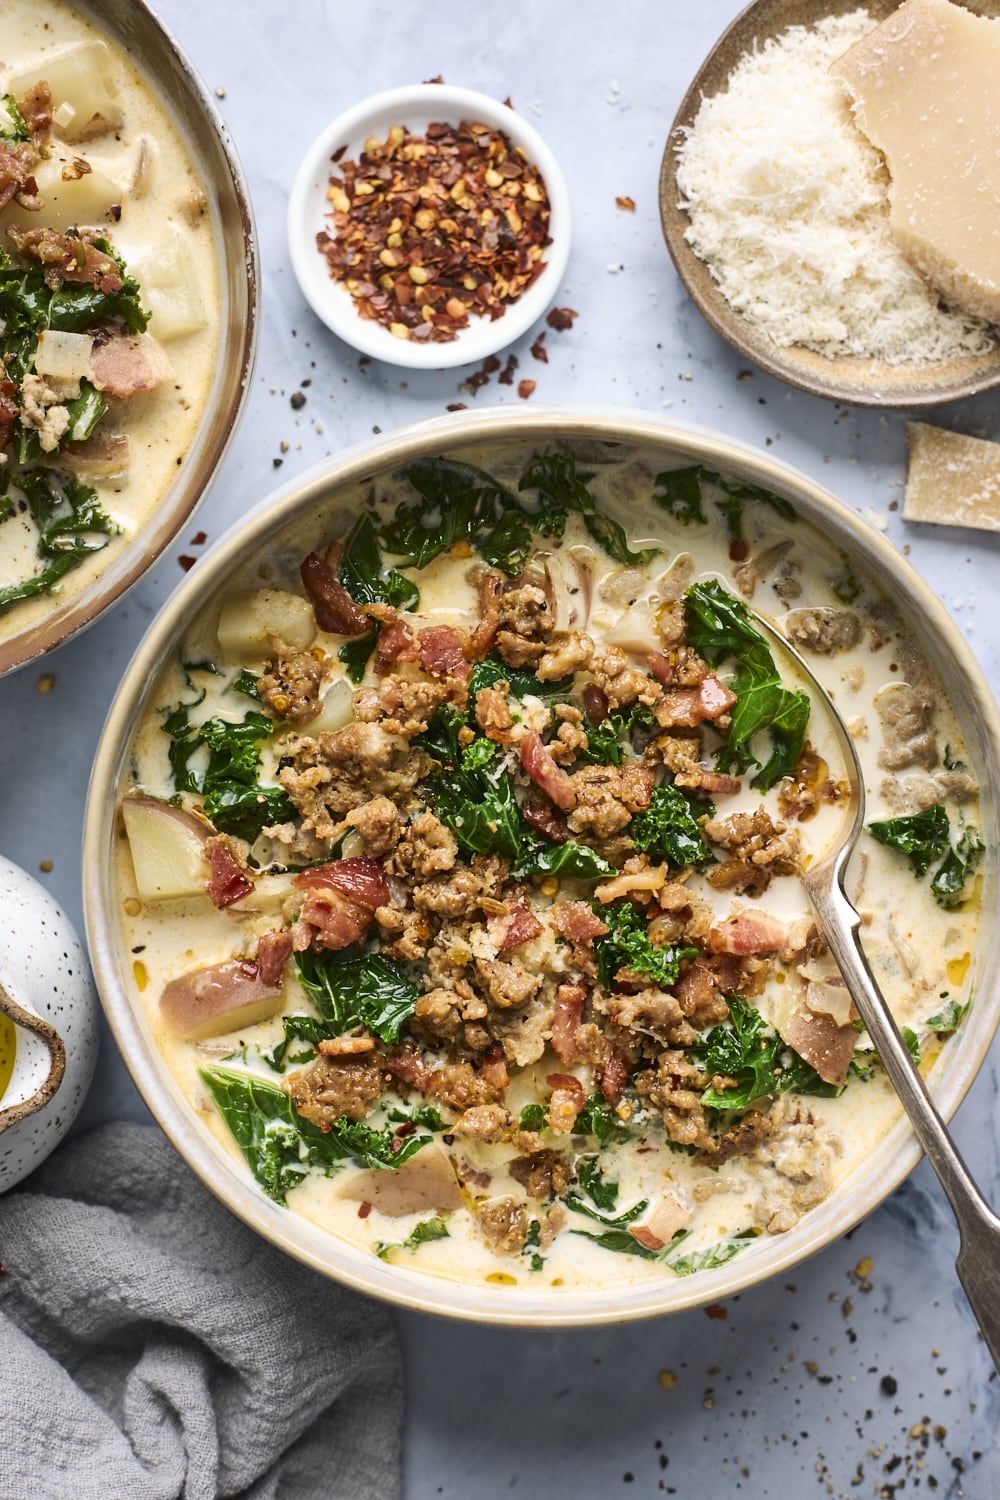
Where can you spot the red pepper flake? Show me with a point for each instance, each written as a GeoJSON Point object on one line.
{"type": "Point", "coordinates": [186, 562]}
{"type": "Point", "coordinates": [339, 152]}
{"type": "Point", "coordinates": [539, 351]}
{"type": "Point", "coordinates": [506, 376]}
{"type": "Point", "coordinates": [429, 230]}
{"type": "Point", "coordinates": [199, 539]}
{"type": "Point", "coordinates": [738, 550]}
{"type": "Point", "coordinates": [716, 1310]}
{"type": "Point", "coordinates": [438, 79]}
{"type": "Point", "coordinates": [525, 388]}
{"type": "Point", "coordinates": [626, 204]}
{"type": "Point", "coordinates": [561, 318]}
{"type": "Point", "coordinates": [364, 1210]}
{"type": "Point", "coordinates": [490, 364]}
{"type": "Point", "coordinates": [456, 406]}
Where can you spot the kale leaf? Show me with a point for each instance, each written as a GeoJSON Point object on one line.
{"type": "Point", "coordinates": [13, 126]}
{"type": "Point", "coordinates": [76, 305]}
{"type": "Point", "coordinates": [598, 1119]}
{"type": "Point", "coordinates": [423, 1233]}
{"type": "Point", "coordinates": [362, 573]}
{"type": "Point", "coordinates": [668, 829]}
{"type": "Point", "coordinates": [476, 801]}
{"type": "Point", "coordinates": [627, 946]}
{"type": "Point", "coordinates": [679, 492]}
{"type": "Point", "coordinates": [532, 1117]}
{"type": "Point", "coordinates": [522, 683]}
{"type": "Point", "coordinates": [280, 1146]}
{"type": "Point", "coordinates": [755, 1056]}
{"type": "Point", "coordinates": [713, 1256]}
{"type": "Point", "coordinates": [719, 625]}
{"type": "Point", "coordinates": [560, 490]}
{"type": "Point", "coordinates": [234, 801]}
{"type": "Point", "coordinates": [349, 991]}
{"type": "Point", "coordinates": [70, 522]}
{"type": "Point", "coordinates": [572, 860]}
{"type": "Point", "coordinates": [457, 503]}
{"type": "Point", "coordinates": [599, 1189]}
{"type": "Point", "coordinates": [924, 837]}
{"type": "Point", "coordinates": [948, 1019]}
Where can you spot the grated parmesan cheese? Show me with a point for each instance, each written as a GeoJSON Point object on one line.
{"type": "Point", "coordinates": [788, 205]}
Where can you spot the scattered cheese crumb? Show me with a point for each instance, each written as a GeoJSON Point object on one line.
{"type": "Point", "coordinates": [788, 207]}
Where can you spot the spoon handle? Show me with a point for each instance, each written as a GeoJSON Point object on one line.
{"type": "Point", "coordinates": [978, 1261]}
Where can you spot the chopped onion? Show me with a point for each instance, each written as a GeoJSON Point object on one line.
{"type": "Point", "coordinates": [66, 356]}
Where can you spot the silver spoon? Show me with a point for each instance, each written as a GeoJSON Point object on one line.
{"type": "Point", "coordinates": [978, 1260]}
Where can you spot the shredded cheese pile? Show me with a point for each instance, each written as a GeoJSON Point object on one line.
{"type": "Point", "coordinates": [789, 210]}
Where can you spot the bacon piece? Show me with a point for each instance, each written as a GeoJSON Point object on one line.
{"type": "Point", "coordinates": [614, 1078]}
{"type": "Point", "coordinates": [566, 1021]}
{"type": "Point", "coordinates": [546, 822]}
{"type": "Point", "coordinates": [718, 781]}
{"type": "Point", "coordinates": [36, 111]}
{"type": "Point", "coordinates": [645, 1237]}
{"type": "Point", "coordinates": [679, 708]}
{"type": "Point", "coordinates": [748, 932]}
{"type": "Point", "coordinates": [544, 772]}
{"type": "Point", "coordinates": [15, 176]}
{"type": "Point", "coordinates": [273, 948]}
{"type": "Point", "coordinates": [9, 410]}
{"type": "Point", "coordinates": [69, 257]}
{"type": "Point", "coordinates": [714, 698]}
{"type": "Point", "coordinates": [519, 926]}
{"type": "Point", "coordinates": [396, 643]}
{"type": "Point", "coordinates": [333, 606]}
{"type": "Point", "coordinates": [442, 652]}
{"type": "Point", "coordinates": [669, 1215]}
{"type": "Point", "coordinates": [409, 1067]}
{"type": "Point", "coordinates": [227, 882]}
{"type": "Point", "coordinates": [494, 1068]}
{"type": "Point", "coordinates": [341, 902]}
{"type": "Point", "coordinates": [490, 594]}
{"type": "Point", "coordinates": [362, 880]}
{"type": "Point", "coordinates": [124, 365]}
{"type": "Point", "coordinates": [575, 921]}
{"type": "Point", "coordinates": [595, 703]}
{"type": "Point", "coordinates": [661, 667]}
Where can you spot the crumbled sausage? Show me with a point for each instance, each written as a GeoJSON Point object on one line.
{"type": "Point", "coordinates": [823, 630]}
{"type": "Point", "coordinates": [378, 823]}
{"type": "Point", "coordinates": [543, 1174]}
{"type": "Point", "coordinates": [335, 1086]}
{"type": "Point", "coordinates": [503, 1224]}
{"type": "Point", "coordinates": [290, 688]}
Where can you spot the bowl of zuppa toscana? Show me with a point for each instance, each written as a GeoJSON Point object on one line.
{"type": "Point", "coordinates": [446, 838]}
{"type": "Point", "coordinates": [128, 305]}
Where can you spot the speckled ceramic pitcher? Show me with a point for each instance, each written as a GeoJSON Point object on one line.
{"type": "Point", "coordinates": [48, 1024]}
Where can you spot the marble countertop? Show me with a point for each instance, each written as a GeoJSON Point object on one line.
{"type": "Point", "coordinates": [862, 1374]}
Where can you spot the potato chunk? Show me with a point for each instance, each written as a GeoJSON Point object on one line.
{"type": "Point", "coordinates": [168, 849]}
{"type": "Point", "coordinates": [170, 290]}
{"type": "Point", "coordinates": [89, 201]}
{"type": "Point", "coordinates": [213, 1001]}
{"type": "Point", "coordinates": [247, 620]}
{"type": "Point", "coordinates": [426, 1181]}
{"type": "Point", "coordinates": [81, 77]}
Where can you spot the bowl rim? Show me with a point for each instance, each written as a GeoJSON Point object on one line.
{"type": "Point", "coordinates": [332, 303]}
{"type": "Point", "coordinates": [121, 19]}
{"type": "Point", "coordinates": [875, 384]}
{"type": "Point", "coordinates": [891, 1160]}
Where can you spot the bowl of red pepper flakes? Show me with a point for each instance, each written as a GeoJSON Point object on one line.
{"type": "Point", "coordinates": [429, 226]}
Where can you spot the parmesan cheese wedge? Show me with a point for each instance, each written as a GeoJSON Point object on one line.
{"type": "Point", "coordinates": [952, 480]}
{"type": "Point", "coordinates": [924, 88]}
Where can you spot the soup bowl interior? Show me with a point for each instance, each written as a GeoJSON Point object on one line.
{"type": "Point", "coordinates": [163, 67]}
{"type": "Point", "coordinates": [297, 511]}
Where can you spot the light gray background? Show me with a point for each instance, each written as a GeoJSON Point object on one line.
{"type": "Point", "coordinates": [779, 1392]}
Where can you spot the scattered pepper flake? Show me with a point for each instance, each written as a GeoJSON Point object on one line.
{"type": "Point", "coordinates": [506, 376]}
{"type": "Point", "coordinates": [431, 229]}
{"type": "Point", "coordinates": [456, 406]}
{"type": "Point", "coordinates": [45, 683]}
{"type": "Point", "coordinates": [364, 1209]}
{"type": "Point", "coordinates": [667, 1379]}
{"type": "Point", "coordinates": [716, 1310]}
{"type": "Point", "coordinates": [561, 318]}
{"type": "Point", "coordinates": [625, 203]}
{"type": "Point", "coordinates": [297, 401]}
{"type": "Point", "coordinates": [186, 562]}
{"type": "Point", "coordinates": [46, 866]}
{"type": "Point", "coordinates": [525, 388]}
{"type": "Point", "coordinates": [539, 351]}
{"type": "Point", "coordinates": [199, 539]}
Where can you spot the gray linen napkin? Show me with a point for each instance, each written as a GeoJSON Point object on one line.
{"type": "Point", "coordinates": [153, 1348]}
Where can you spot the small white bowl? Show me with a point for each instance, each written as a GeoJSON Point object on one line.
{"type": "Point", "coordinates": [416, 107]}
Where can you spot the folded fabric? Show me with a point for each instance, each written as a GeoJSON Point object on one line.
{"type": "Point", "coordinates": [153, 1348]}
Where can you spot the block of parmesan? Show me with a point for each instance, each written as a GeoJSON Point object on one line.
{"type": "Point", "coordinates": [925, 88]}
{"type": "Point", "coordinates": [952, 480]}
